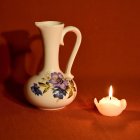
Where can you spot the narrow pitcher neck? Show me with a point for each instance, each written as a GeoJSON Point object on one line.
{"type": "Point", "coordinates": [51, 57]}
{"type": "Point", "coordinates": [51, 32]}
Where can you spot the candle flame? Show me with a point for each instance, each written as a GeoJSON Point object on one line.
{"type": "Point", "coordinates": [110, 91]}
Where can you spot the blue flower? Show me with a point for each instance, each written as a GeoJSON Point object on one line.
{"type": "Point", "coordinates": [35, 89]}
{"type": "Point", "coordinates": [59, 93]}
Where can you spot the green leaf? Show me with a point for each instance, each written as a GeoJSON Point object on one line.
{"type": "Point", "coordinates": [71, 83]}
{"type": "Point", "coordinates": [74, 89]}
{"type": "Point", "coordinates": [45, 90]}
{"type": "Point", "coordinates": [70, 93]}
{"type": "Point", "coordinates": [42, 84]}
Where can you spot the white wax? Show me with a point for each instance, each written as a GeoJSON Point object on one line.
{"type": "Point", "coordinates": [110, 101]}
{"type": "Point", "coordinates": [110, 107]}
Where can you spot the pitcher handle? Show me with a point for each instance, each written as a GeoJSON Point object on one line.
{"type": "Point", "coordinates": [68, 74]}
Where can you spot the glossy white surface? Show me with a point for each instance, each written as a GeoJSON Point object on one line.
{"type": "Point", "coordinates": [53, 33]}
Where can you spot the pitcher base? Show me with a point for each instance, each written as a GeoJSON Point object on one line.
{"type": "Point", "coordinates": [52, 108]}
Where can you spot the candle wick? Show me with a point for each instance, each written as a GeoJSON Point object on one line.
{"type": "Point", "coordinates": [110, 98]}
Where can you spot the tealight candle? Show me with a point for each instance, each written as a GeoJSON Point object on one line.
{"type": "Point", "coordinates": [110, 106]}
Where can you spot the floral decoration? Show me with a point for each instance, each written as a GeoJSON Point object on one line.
{"type": "Point", "coordinates": [35, 89]}
{"type": "Point", "coordinates": [58, 80]}
{"type": "Point", "coordinates": [59, 85]}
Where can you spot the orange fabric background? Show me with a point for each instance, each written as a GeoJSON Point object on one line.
{"type": "Point", "coordinates": [109, 54]}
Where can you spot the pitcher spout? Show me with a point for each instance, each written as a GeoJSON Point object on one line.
{"type": "Point", "coordinates": [48, 23]}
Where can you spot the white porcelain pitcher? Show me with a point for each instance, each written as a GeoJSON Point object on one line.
{"type": "Point", "coordinates": [52, 89]}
